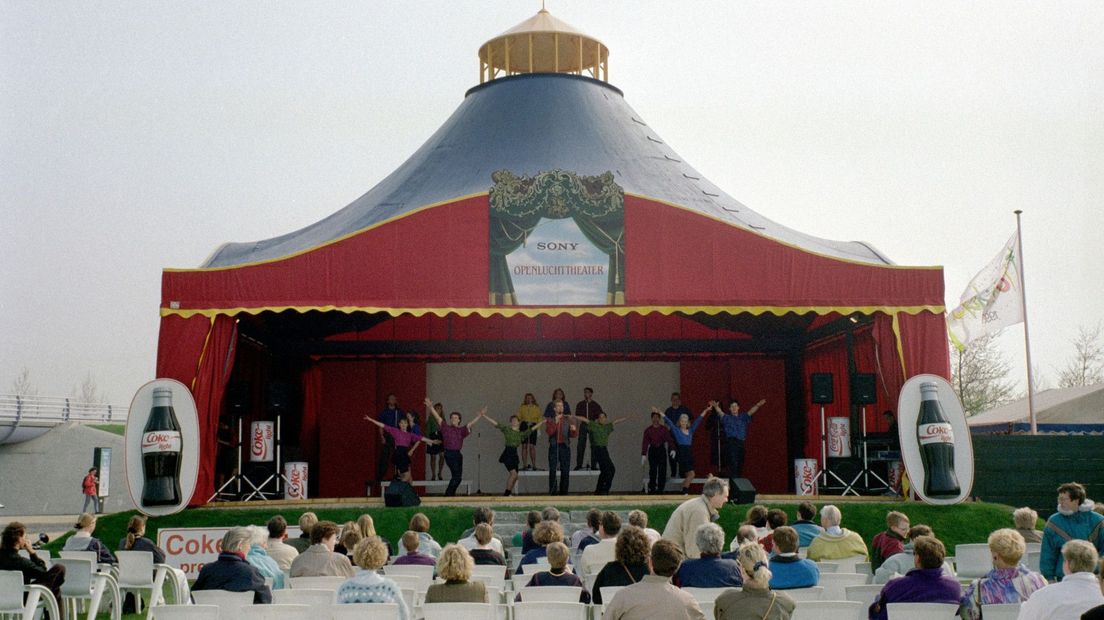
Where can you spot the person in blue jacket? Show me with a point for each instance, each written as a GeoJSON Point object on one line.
{"type": "Point", "coordinates": [1075, 519]}
{"type": "Point", "coordinates": [788, 569]}
{"type": "Point", "coordinates": [683, 433]}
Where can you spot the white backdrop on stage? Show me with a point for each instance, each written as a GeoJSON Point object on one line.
{"type": "Point", "coordinates": [622, 388]}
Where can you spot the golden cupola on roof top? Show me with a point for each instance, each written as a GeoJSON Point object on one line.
{"type": "Point", "coordinates": [543, 44]}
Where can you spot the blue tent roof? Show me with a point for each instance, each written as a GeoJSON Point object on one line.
{"type": "Point", "coordinates": [529, 124]}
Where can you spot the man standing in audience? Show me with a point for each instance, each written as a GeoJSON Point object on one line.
{"type": "Point", "coordinates": [587, 411]}
{"type": "Point", "coordinates": [683, 525]}
{"type": "Point", "coordinates": [924, 584]}
{"type": "Point", "coordinates": [890, 542]}
{"type": "Point", "coordinates": [1074, 595]}
{"type": "Point", "coordinates": [319, 560]}
{"type": "Point", "coordinates": [710, 570]}
{"type": "Point", "coordinates": [835, 542]}
{"type": "Point", "coordinates": [1075, 520]}
{"type": "Point", "coordinates": [788, 569]}
{"type": "Point", "coordinates": [595, 556]}
{"type": "Point", "coordinates": [655, 596]}
{"type": "Point", "coordinates": [278, 550]}
{"type": "Point", "coordinates": [306, 522]}
{"type": "Point", "coordinates": [231, 571]}
{"type": "Point", "coordinates": [806, 529]}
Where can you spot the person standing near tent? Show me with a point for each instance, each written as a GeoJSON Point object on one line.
{"type": "Point", "coordinates": [406, 442]}
{"type": "Point", "coordinates": [599, 431]}
{"type": "Point", "coordinates": [683, 433]}
{"type": "Point", "coordinates": [672, 414]}
{"type": "Point", "coordinates": [560, 428]}
{"type": "Point", "coordinates": [588, 411]}
{"type": "Point", "coordinates": [734, 425]}
{"type": "Point", "coordinates": [90, 486]}
{"type": "Point", "coordinates": [530, 415]}
{"type": "Point", "coordinates": [390, 417]}
{"type": "Point", "coordinates": [514, 436]}
{"type": "Point", "coordinates": [452, 438]}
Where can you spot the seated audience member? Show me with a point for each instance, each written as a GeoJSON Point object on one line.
{"type": "Point", "coordinates": [319, 559]}
{"type": "Point", "coordinates": [455, 567]}
{"type": "Point", "coordinates": [550, 513]}
{"type": "Point", "coordinates": [744, 533]}
{"type": "Point", "coordinates": [350, 536]}
{"type": "Point", "coordinates": [279, 550]}
{"type": "Point", "coordinates": [595, 556]}
{"type": "Point", "coordinates": [367, 527]}
{"type": "Point", "coordinates": [411, 542]}
{"type": "Point", "coordinates": [1096, 613]}
{"type": "Point", "coordinates": [1074, 520]}
{"type": "Point", "coordinates": [231, 571]}
{"type": "Point", "coordinates": [135, 540]}
{"type": "Point", "coordinates": [756, 600]}
{"type": "Point", "coordinates": [547, 532]}
{"type": "Point", "coordinates": [12, 541]}
{"type": "Point", "coordinates": [903, 562]}
{"type": "Point", "coordinates": [420, 523]}
{"type": "Point", "coordinates": [710, 570]}
{"type": "Point", "coordinates": [924, 584]}
{"type": "Point", "coordinates": [83, 540]}
{"type": "Point", "coordinates": [890, 542]}
{"type": "Point", "coordinates": [340, 547]}
{"type": "Point", "coordinates": [557, 573]}
{"type": "Point", "coordinates": [757, 516]}
{"type": "Point", "coordinates": [630, 562]}
{"type": "Point", "coordinates": [590, 531]}
{"type": "Point", "coordinates": [532, 518]}
{"type": "Point", "coordinates": [639, 518]}
{"type": "Point", "coordinates": [306, 522]}
{"type": "Point", "coordinates": [835, 542]}
{"type": "Point", "coordinates": [367, 585]}
{"type": "Point", "coordinates": [1076, 594]}
{"type": "Point", "coordinates": [481, 515]}
{"type": "Point", "coordinates": [484, 553]}
{"type": "Point", "coordinates": [259, 558]}
{"type": "Point", "coordinates": [1008, 582]}
{"type": "Point", "coordinates": [788, 570]}
{"type": "Point", "coordinates": [776, 518]}
{"type": "Point", "coordinates": [1025, 520]}
{"type": "Point", "coordinates": [655, 596]}
{"type": "Point", "coordinates": [806, 529]}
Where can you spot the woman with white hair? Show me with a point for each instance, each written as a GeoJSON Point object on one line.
{"type": "Point", "coordinates": [367, 585]}
{"type": "Point", "coordinates": [756, 601]}
{"type": "Point", "coordinates": [231, 571]}
{"type": "Point", "coordinates": [259, 558]}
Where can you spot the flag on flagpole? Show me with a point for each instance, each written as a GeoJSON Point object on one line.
{"type": "Point", "coordinates": [991, 300]}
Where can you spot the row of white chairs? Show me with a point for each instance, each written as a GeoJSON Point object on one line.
{"type": "Point", "coordinates": [376, 611]}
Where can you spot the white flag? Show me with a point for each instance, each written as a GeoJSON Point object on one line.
{"type": "Point", "coordinates": [991, 301]}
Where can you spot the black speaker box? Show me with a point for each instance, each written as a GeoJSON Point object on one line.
{"type": "Point", "coordinates": [741, 491]}
{"type": "Point", "coordinates": [820, 384]}
{"type": "Point", "coordinates": [863, 389]}
{"type": "Point", "coordinates": [278, 396]}
{"type": "Point", "coordinates": [400, 494]}
{"type": "Point", "coordinates": [237, 396]}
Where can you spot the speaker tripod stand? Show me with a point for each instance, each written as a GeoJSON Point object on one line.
{"type": "Point", "coordinates": [865, 473]}
{"type": "Point", "coordinates": [824, 471]}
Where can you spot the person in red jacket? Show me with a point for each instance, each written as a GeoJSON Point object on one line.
{"type": "Point", "coordinates": [90, 486]}
{"type": "Point", "coordinates": [890, 542]}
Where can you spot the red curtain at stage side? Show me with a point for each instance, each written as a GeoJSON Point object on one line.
{"type": "Point", "coordinates": [182, 343]}
{"type": "Point", "coordinates": [312, 409]}
{"type": "Point", "coordinates": [825, 357]}
{"type": "Point", "coordinates": [924, 339]}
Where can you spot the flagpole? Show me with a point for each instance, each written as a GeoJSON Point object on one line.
{"type": "Point", "coordinates": [1027, 338]}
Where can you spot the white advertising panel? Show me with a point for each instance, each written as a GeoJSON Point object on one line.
{"type": "Point", "coordinates": [262, 442]}
{"type": "Point", "coordinates": [839, 437]}
{"type": "Point", "coordinates": [295, 474]}
{"type": "Point", "coordinates": [189, 548]}
{"type": "Point", "coordinates": [805, 476]}
{"type": "Point", "coordinates": [138, 443]}
{"type": "Point", "coordinates": [953, 431]}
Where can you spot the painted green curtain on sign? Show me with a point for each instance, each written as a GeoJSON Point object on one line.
{"type": "Point", "coordinates": [597, 204]}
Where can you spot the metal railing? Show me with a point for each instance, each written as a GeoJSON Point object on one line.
{"type": "Point", "coordinates": [58, 409]}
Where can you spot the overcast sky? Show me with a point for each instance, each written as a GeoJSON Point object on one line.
{"type": "Point", "coordinates": [141, 135]}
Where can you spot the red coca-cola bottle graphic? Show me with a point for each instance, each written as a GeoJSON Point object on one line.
{"type": "Point", "coordinates": [161, 452]}
{"type": "Point", "coordinates": [936, 439]}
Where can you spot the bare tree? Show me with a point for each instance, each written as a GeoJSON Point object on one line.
{"type": "Point", "coordinates": [22, 385]}
{"type": "Point", "coordinates": [88, 393]}
{"type": "Point", "coordinates": [1086, 367]}
{"type": "Point", "coordinates": [980, 376]}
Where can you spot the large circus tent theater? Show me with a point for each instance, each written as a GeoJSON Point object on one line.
{"type": "Point", "coordinates": [545, 236]}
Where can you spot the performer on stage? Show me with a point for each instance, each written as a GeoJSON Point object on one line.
{"type": "Point", "coordinates": [452, 437]}
{"type": "Point", "coordinates": [515, 436]}
{"type": "Point", "coordinates": [389, 417]}
{"type": "Point", "coordinates": [587, 411]}
{"type": "Point", "coordinates": [560, 428]}
{"type": "Point", "coordinates": [405, 442]}
{"type": "Point", "coordinates": [683, 433]}
{"type": "Point", "coordinates": [658, 444]}
{"type": "Point", "coordinates": [433, 431]}
{"type": "Point", "coordinates": [599, 431]}
{"type": "Point", "coordinates": [530, 415]}
{"type": "Point", "coordinates": [557, 397]}
{"type": "Point", "coordinates": [673, 413]}
{"type": "Point", "coordinates": [734, 425]}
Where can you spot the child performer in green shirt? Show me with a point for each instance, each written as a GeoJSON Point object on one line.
{"type": "Point", "coordinates": [514, 437]}
{"type": "Point", "coordinates": [599, 431]}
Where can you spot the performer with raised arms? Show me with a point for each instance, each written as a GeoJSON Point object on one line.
{"type": "Point", "coordinates": [515, 436]}
{"type": "Point", "coordinates": [683, 432]}
{"type": "Point", "coordinates": [452, 437]}
{"type": "Point", "coordinates": [405, 444]}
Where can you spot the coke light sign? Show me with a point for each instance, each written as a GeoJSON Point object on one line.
{"type": "Point", "coordinates": [805, 476]}
{"type": "Point", "coordinates": [936, 447]}
{"type": "Point", "coordinates": [161, 447]}
{"type": "Point", "coordinates": [295, 480]}
{"type": "Point", "coordinates": [839, 437]}
{"type": "Point", "coordinates": [262, 442]}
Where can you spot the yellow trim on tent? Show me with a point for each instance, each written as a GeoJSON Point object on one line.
{"type": "Point", "coordinates": [203, 352]}
{"type": "Point", "coordinates": [900, 344]}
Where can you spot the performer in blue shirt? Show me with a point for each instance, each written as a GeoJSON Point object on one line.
{"type": "Point", "coordinates": [683, 433]}
{"type": "Point", "coordinates": [734, 425]}
{"type": "Point", "coordinates": [672, 415]}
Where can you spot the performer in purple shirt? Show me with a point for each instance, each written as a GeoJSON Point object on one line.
{"type": "Point", "coordinates": [452, 437]}
{"type": "Point", "coordinates": [657, 446]}
{"type": "Point", "coordinates": [406, 443]}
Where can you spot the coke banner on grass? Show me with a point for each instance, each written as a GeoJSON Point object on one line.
{"type": "Point", "coordinates": [189, 548]}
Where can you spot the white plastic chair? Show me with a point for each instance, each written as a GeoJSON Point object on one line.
{"type": "Point", "coordinates": [364, 611]}
{"type": "Point", "coordinates": [530, 569]}
{"type": "Point", "coordinates": [546, 610]}
{"type": "Point", "coordinates": [79, 555]}
{"type": "Point", "coordinates": [863, 594]}
{"type": "Point", "coordinates": [303, 596]}
{"type": "Point", "coordinates": [424, 574]}
{"type": "Point", "coordinates": [44, 555]}
{"type": "Point", "coordinates": [835, 585]}
{"type": "Point", "coordinates": [315, 583]}
{"type": "Point", "coordinates": [829, 610]}
{"type": "Point", "coordinates": [702, 595]}
{"type": "Point", "coordinates": [1031, 559]}
{"type": "Point", "coordinates": [82, 584]}
{"type": "Point", "coordinates": [562, 594]}
{"type": "Point", "coordinates": [973, 560]}
{"type": "Point", "coordinates": [608, 592]}
{"type": "Point", "coordinates": [921, 611]}
{"type": "Point", "coordinates": [11, 597]}
{"type": "Point", "coordinates": [520, 581]}
{"type": "Point", "coordinates": [1004, 611]}
{"type": "Point", "coordinates": [850, 563]}
{"type": "Point", "coordinates": [412, 582]}
{"type": "Point", "coordinates": [865, 568]}
{"type": "Point", "coordinates": [184, 612]}
{"type": "Point", "coordinates": [278, 612]}
{"type": "Point", "coordinates": [490, 574]}
{"type": "Point", "coordinates": [459, 611]}
{"type": "Point", "coordinates": [229, 603]}
{"type": "Point", "coordinates": [811, 593]}
{"type": "Point", "coordinates": [828, 567]}
{"type": "Point", "coordinates": [136, 575]}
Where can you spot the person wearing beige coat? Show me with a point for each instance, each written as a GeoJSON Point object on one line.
{"type": "Point", "coordinates": [319, 560]}
{"type": "Point", "coordinates": [684, 522]}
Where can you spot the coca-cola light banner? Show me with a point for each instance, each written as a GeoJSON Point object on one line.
{"type": "Point", "coordinates": [295, 483]}
{"type": "Point", "coordinates": [189, 548]}
{"type": "Point", "coordinates": [805, 476]}
{"type": "Point", "coordinates": [262, 442]}
{"type": "Point", "coordinates": [161, 447]}
{"type": "Point", "coordinates": [936, 446]}
{"type": "Point", "coordinates": [839, 437]}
